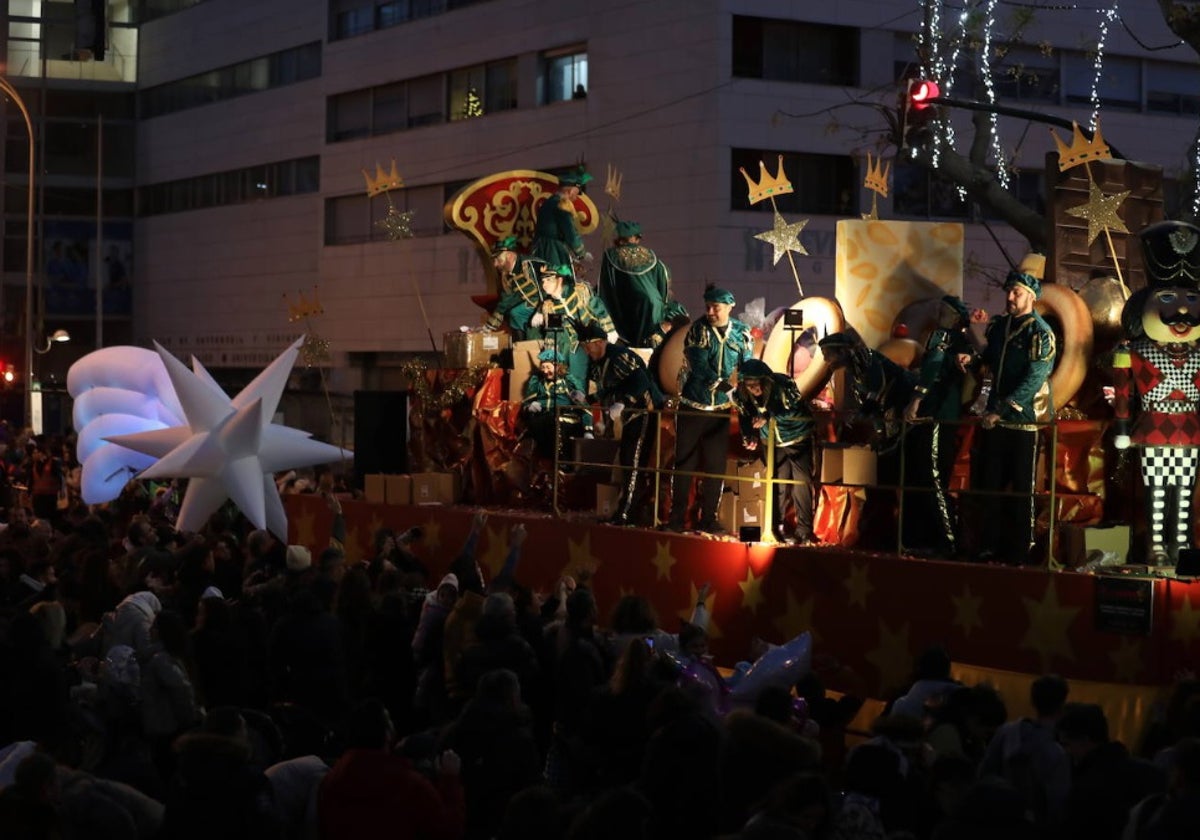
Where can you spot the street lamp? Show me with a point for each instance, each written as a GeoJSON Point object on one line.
{"type": "Point", "coordinates": [12, 94]}
{"type": "Point", "coordinates": [58, 337]}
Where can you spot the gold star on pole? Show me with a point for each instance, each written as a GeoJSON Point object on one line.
{"type": "Point", "coordinates": [1127, 660]}
{"type": "Point", "coordinates": [966, 611]}
{"type": "Point", "coordinates": [751, 588]}
{"type": "Point", "coordinates": [663, 561]}
{"type": "Point", "coordinates": [784, 237]}
{"type": "Point", "coordinates": [1185, 623]}
{"type": "Point", "coordinates": [1100, 211]}
{"type": "Point", "coordinates": [892, 658]}
{"type": "Point", "coordinates": [857, 585]}
{"type": "Point", "coordinates": [714, 632]}
{"type": "Point", "coordinates": [1048, 626]}
{"type": "Point", "coordinates": [796, 618]}
{"type": "Point", "coordinates": [397, 224]}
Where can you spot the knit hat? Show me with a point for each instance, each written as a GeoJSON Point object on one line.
{"type": "Point", "coordinates": [450, 580]}
{"type": "Point", "coordinates": [299, 558]}
{"type": "Point", "coordinates": [212, 592]}
{"type": "Point", "coordinates": [716, 295]}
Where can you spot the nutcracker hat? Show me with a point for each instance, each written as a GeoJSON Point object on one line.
{"type": "Point", "coordinates": [1171, 253]}
{"type": "Point", "coordinates": [1028, 274]}
{"type": "Point", "coordinates": [714, 294]}
{"type": "Point", "coordinates": [576, 178]}
{"type": "Point", "coordinates": [550, 355]}
{"type": "Point", "coordinates": [754, 369]}
{"type": "Point", "coordinates": [625, 230]}
{"type": "Point", "coordinates": [592, 331]}
{"type": "Point", "coordinates": [507, 243]}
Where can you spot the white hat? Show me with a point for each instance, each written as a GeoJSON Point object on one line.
{"type": "Point", "coordinates": [212, 592]}
{"type": "Point", "coordinates": [299, 558]}
{"type": "Point", "coordinates": [450, 580]}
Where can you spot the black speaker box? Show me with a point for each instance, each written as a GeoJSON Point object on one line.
{"type": "Point", "coordinates": [380, 433]}
{"type": "Point", "coordinates": [1188, 564]}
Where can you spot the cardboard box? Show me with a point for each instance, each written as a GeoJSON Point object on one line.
{"type": "Point", "coordinates": [1113, 539]}
{"type": "Point", "coordinates": [607, 496]}
{"type": "Point", "coordinates": [525, 355]}
{"type": "Point", "coordinates": [466, 349]}
{"type": "Point", "coordinates": [831, 465]}
{"type": "Point", "coordinates": [436, 488]}
{"type": "Point", "coordinates": [727, 511]}
{"type": "Point", "coordinates": [749, 512]}
{"type": "Point", "coordinates": [598, 453]}
{"type": "Point", "coordinates": [398, 489]}
{"type": "Point", "coordinates": [752, 480]}
{"type": "Point", "coordinates": [858, 465]}
{"type": "Point", "coordinates": [374, 488]}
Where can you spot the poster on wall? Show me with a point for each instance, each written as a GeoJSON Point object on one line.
{"type": "Point", "coordinates": [70, 267]}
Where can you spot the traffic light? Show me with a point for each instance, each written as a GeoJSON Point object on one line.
{"type": "Point", "coordinates": [916, 109]}
{"type": "Point", "coordinates": [920, 91]}
{"type": "Point", "coordinates": [10, 373]}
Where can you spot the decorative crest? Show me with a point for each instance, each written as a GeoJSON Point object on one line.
{"type": "Point", "coordinates": [383, 181]}
{"type": "Point", "coordinates": [1081, 149]}
{"type": "Point", "coordinates": [770, 185]}
{"type": "Point", "coordinates": [303, 308]}
{"type": "Point", "coordinates": [612, 185]}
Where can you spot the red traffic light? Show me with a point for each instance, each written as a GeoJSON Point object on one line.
{"type": "Point", "coordinates": [920, 92]}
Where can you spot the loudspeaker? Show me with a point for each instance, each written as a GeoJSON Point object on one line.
{"type": "Point", "coordinates": [1188, 564]}
{"type": "Point", "coordinates": [750, 533]}
{"type": "Point", "coordinates": [380, 433]}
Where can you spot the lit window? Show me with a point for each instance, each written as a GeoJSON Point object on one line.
{"type": "Point", "coordinates": [564, 75]}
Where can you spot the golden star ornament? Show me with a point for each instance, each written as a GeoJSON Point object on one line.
{"type": "Point", "coordinates": [784, 237]}
{"type": "Point", "coordinates": [1100, 211]}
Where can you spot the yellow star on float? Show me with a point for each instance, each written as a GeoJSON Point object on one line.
{"type": "Point", "coordinates": [1127, 660]}
{"type": "Point", "coordinates": [397, 224]}
{"type": "Point", "coordinates": [306, 528]}
{"type": "Point", "coordinates": [751, 591]}
{"type": "Point", "coordinates": [1048, 625]}
{"type": "Point", "coordinates": [891, 658]}
{"type": "Point", "coordinates": [784, 237]}
{"type": "Point", "coordinates": [714, 632]}
{"type": "Point", "coordinates": [433, 534]}
{"type": "Point", "coordinates": [857, 584]}
{"type": "Point", "coordinates": [1100, 211]}
{"type": "Point", "coordinates": [797, 618]}
{"type": "Point", "coordinates": [580, 554]}
{"type": "Point", "coordinates": [495, 550]}
{"type": "Point", "coordinates": [663, 561]}
{"type": "Point", "coordinates": [966, 611]}
{"type": "Point", "coordinates": [1185, 623]}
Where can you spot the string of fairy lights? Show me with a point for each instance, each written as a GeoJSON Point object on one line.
{"type": "Point", "coordinates": [1107, 16]}
{"type": "Point", "coordinates": [989, 89]}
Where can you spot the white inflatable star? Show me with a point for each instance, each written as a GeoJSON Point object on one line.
{"type": "Point", "coordinates": [229, 449]}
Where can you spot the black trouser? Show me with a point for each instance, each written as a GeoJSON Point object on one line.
{"type": "Point", "coordinates": [541, 428]}
{"type": "Point", "coordinates": [1005, 459]}
{"type": "Point", "coordinates": [795, 463]}
{"type": "Point", "coordinates": [930, 520]}
{"type": "Point", "coordinates": [701, 445]}
{"type": "Point", "coordinates": [637, 443]}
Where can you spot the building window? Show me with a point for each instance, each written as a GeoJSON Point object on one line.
{"type": "Point", "coordinates": [258, 74]}
{"type": "Point", "coordinates": [482, 89]}
{"type": "Point", "coordinates": [236, 186]}
{"type": "Point", "coordinates": [1172, 88]}
{"type": "Point", "coordinates": [1120, 84]}
{"type": "Point", "coordinates": [150, 9]}
{"type": "Point", "coordinates": [795, 51]}
{"type": "Point", "coordinates": [353, 219]}
{"type": "Point", "coordinates": [1026, 74]}
{"type": "Point", "coordinates": [918, 192]}
{"type": "Point", "coordinates": [822, 184]}
{"type": "Point", "coordinates": [564, 75]}
{"type": "Point", "coordinates": [348, 18]}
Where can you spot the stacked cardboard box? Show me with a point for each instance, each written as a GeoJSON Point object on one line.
{"type": "Point", "coordinates": [466, 349]}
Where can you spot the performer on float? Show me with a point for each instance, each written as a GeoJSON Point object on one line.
{"type": "Point", "coordinates": [1160, 367]}
{"type": "Point", "coordinates": [763, 396]}
{"type": "Point", "coordinates": [556, 311]}
{"type": "Point", "coordinates": [930, 521]}
{"type": "Point", "coordinates": [714, 347]}
{"type": "Point", "coordinates": [673, 317]}
{"type": "Point", "coordinates": [556, 238]}
{"type": "Point", "coordinates": [625, 390]}
{"type": "Point", "coordinates": [519, 276]}
{"type": "Point", "coordinates": [552, 397]}
{"type": "Point", "coordinates": [635, 285]}
{"type": "Point", "coordinates": [1019, 350]}
{"type": "Point", "coordinates": [879, 390]}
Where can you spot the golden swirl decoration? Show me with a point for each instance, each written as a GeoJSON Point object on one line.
{"type": "Point", "coordinates": [435, 393]}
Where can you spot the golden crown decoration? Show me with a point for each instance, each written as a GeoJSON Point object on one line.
{"type": "Point", "coordinates": [1081, 149]}
{"type": "Point", "coordinates": [303, 308]}
{"type": "Point", "coordinates": [383, 181]}
{"type": "Point", "coordinates": [612, 185]}
{"type": "Point", "coordinates": [770, 185]}
{"type": "Point", "coordinates": [877, 176]}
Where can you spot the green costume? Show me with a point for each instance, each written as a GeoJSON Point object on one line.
{"type": "Point", "coordinates": [710, 357]}
{"type": "Point", "coordinates": [1020, 353]}
{"type": "Point", "coordinates": [525, 272]}
{"type": "Point", "coordinates": [635, 286]}
{"type": "Point", "coordinates": [548, 402]}
{"type": "Point", "coordinates": [556, 238]}
{"type": "Point", "coordinates": [941, 381]}
{"type": "Point", "coordinates": [578, 307]}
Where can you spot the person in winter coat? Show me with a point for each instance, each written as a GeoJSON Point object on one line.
{"type": "Point", "coordinates": [130, 624]}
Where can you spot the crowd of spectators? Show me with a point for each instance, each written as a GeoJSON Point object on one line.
{"type": "Point", "coordinates": [222, 684]}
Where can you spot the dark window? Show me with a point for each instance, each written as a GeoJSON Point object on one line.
{"type": "Point", "coordinates": [563, 75]}
{"type": "Point", "coordinates": [795, 51]}
{"type": "Point", "coordinates": [354, 219]}
{"type": "Point", "coordinates": [254, 183]}
{"type": "Point", "coordinates": [824, 184]}
{"type": "Point", "coordinates": [1172, 88]}
{"type": "Point", "coordinates": [1119, 85]}
{"type": "Point", "coordinates": [920, 193]}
